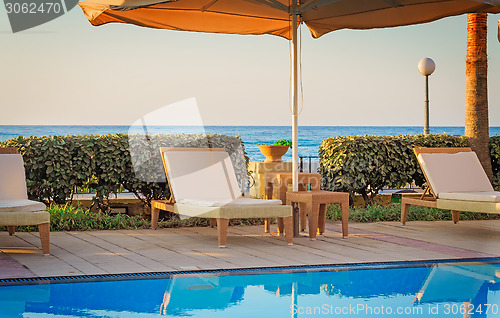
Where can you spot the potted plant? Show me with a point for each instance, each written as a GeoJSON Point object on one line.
{"type": "Point", "coordinates": [275, 151]}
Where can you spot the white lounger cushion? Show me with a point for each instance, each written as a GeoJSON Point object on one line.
{"type": "Point", "coordinates": [233, 211]}
{"type": "Point", "coordinates": [22, 205]}
{"type": "Point", "coordinates": [471, 196]}
{"type": "Point", "coordinates": [202, 175]}
{"type": "Point", "coordinates": [452, 173]}
{"type": "Point", "coordinates": [12, 177]}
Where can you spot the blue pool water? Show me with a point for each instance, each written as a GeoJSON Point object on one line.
{"type": "Point", "coordinates": [383, 290]}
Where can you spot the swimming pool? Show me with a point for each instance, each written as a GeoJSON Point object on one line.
{"type": "Point", "coordinates": [465, 288]}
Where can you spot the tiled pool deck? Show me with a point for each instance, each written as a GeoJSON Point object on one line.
{"type": "Point", "coordinates": [134, 251]}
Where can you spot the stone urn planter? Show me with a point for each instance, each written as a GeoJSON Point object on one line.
{"type": "Point", "coordinates": [273, 153]}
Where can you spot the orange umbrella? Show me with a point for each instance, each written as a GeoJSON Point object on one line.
{"type": "Point", "coordinates": [281, 18]}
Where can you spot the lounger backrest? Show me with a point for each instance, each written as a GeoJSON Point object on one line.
{"type": "Point", "coordinates": [454, 172]}
{"type": "Point", "coordinates": [200, 174]}
{"type": "Point", "coordinates": [12, 177]}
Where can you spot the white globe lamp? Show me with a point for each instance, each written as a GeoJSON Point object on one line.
{"type": "Point", "coordinates": [426, 67]}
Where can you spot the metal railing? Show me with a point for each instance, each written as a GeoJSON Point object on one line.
{"type": "Point", "coordinates": [309, 160]}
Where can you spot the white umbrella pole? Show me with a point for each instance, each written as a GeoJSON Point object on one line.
{"type": "Point", "coordinates": [295, 101]}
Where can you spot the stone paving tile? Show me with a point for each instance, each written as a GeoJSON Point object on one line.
{"type": "Point", "coordinates": [455, 241]}
{"type": "Point", "coordinates": [145, 250]}
{"type": "Point", "coordinates": [192, 255]}
{"type": "Point", "coordinates": [124, 246]}
{"type": "Point", "coordinates": [11, 268]}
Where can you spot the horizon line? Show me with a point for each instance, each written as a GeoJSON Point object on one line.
{"type": "Point", "coordinates": [124, 125]}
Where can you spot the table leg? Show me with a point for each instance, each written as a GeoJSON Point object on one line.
{"type": "Point", "coordinates": [281, 227]}
{"type": "Point", "coordinates": [313, 219]}
{"type": "Point", "coordinates": [282, 192]}
{"type": "Point", "coordinates": [269, 190]}
{"type": "Point", "coordinates": [303, 216]}
{"type": "Point", "coordinates": [322, 218]}
{"type": "Point", "coordinates": [344, 207]}
{"type": "Point", "coordinates": [269, 195]}
{"type": "Point", "coordinates": [267, 225]}
{"type": "Point", "coordinates": [295, 219]}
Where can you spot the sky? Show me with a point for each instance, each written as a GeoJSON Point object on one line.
{"type": "Point", "coordinates": [68, 72]}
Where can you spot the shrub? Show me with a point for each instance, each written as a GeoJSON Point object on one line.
{"type": "Point", "coordinates": [366, 164]}
{"type": "Point", "coordinates": [495, 160]}
{"type": "Point", "coordinates": [59, 166]}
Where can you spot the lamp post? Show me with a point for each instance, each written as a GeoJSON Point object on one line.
{"type": "Point", "coordinates": [426, 66]}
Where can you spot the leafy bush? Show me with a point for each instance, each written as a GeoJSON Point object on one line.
{"type": "Point", "coordinates": [495, 160]}
{"type": "Point", "coordinates": [58, 166]}
{"type": "Point", "coordinates": [366, 164]}
{"type": "Point", "coordinates": [55, 165]}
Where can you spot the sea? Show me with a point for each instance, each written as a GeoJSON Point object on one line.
{"type": "Point", "coordinates": [310, 137]}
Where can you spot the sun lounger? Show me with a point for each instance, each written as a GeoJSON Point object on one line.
{"type": "Point", "coordinates": [456, 181]}
{"type": "Point", "coordinates": [203, 184]}
{"type": "Point", "coordinates": [15, 208]}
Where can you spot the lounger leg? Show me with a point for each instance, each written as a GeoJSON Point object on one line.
{"type": "Point", "coordinates": [155, 214]}
{"type": "Point", "coordinates": [11, 229]}
{"type": "Point", "coordinates": [289, 229]}
{"type": "Point", "coordinates": [267, 225]}
{"type": "Point", "coordinates": [455, 215]}
{"type": "Point", "coordinates": [222, 225]}
{"type": "Point", "coordinates": [404, 210]}
{"type": "Point", "coordinates": [44, 231]}
{"type": "Point", "coordinates": [212, 222]}
{"type": "Point", "coordinates": [321, 219]}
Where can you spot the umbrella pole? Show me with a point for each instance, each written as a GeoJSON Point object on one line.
{"type": "Point", "coordinates": [295, 117]}
{"type": "Point", "coordinates": [295, 99]}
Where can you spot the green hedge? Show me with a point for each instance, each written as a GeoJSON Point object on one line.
{"type": "Point", "coordinates": [495, 160]}
{"type": "Point", "coordinates": [59, 166]}
{"type": "Point", "coordinates": [366, 164]}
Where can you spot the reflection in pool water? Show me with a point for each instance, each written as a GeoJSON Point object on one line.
{"type": "Point", "coordinates": [430, 290]}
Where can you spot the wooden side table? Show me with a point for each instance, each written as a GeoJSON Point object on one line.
{"type": "Point", "coordinates": [283, 180]}
{"type": "Point", "coordinates": [316, 202]}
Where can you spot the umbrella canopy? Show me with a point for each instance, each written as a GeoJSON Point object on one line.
{"type": "Point", "coordinates": [281, 18]}
{"type": "Point", "coordinates": [273, 16]}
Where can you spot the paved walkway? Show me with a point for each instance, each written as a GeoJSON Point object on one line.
{"type": "Point", "coordinates": [132, 251]}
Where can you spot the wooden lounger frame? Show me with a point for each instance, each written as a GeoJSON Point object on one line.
{"type": "Point", "coordinates": [221, 223]}
{"type": "Point", "coordinates": [429, 200]}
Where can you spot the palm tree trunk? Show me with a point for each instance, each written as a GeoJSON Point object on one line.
{"type": "Point", "coordinates": [476, 95]}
